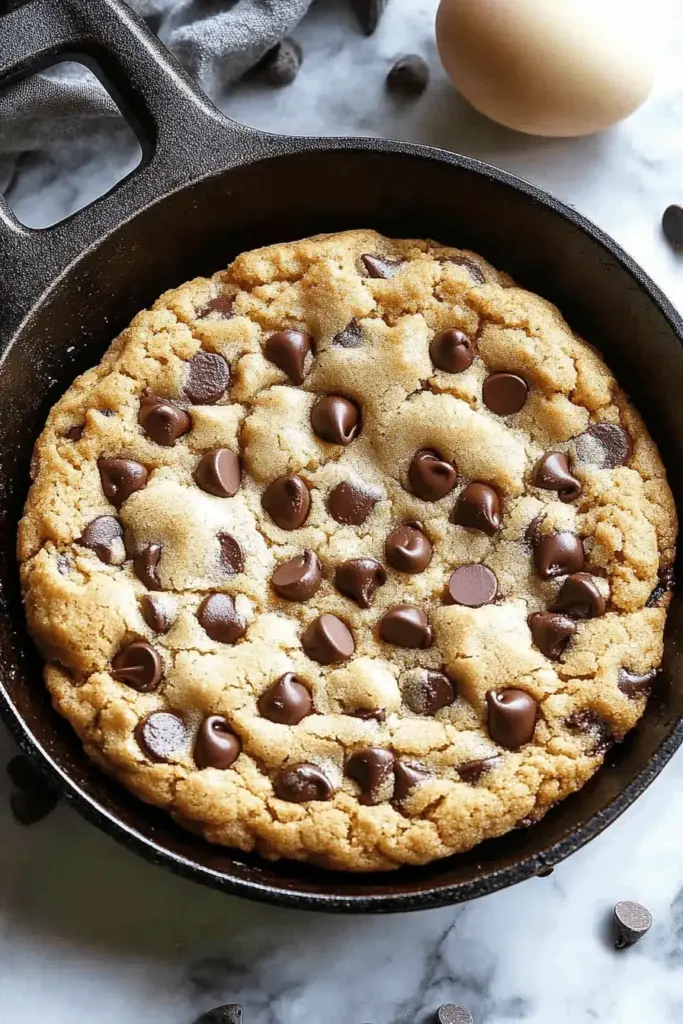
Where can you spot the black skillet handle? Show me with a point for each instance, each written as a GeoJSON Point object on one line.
{"type": "Point", "coordinates": [181, 134]}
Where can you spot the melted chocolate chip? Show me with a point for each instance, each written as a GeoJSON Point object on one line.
{"type": "Point", "coordinates": [221, 305]}
{"type": "Point", "coordinates": [379, 715]}
{"type": "Point", "coordinates": [219, 619]}
{"type": "Point", "coordinates": [218, 473]}
{"type": "Point", "coordinates": [406, 778]}
{"type": "Point", "coordinates": [155, 614]}
{"type": "Point", "coordinates": [633, 685]}
{"type": "Point", "coordinates": [161, 735]}
{"type": "Point", "coordinates": [472, 771]}
{"type": "Point", "coordinates": [302, 782]}
{"type": "Point", "coordinates": [359, 578]}
{"type": "Point", "coordinates": [287, 701]}
{"type": "Point", "coordinates": [380, 266]}
{"type": "Point", "coordinates": [145, 565]}
{"type": "Point", "coordinates": [430, 477]}
{"type": "Point", "coordinates": [350, 337]}
{"type": "Point", "coordinates": [452, 351]}
{"type": "Point", "coordinates": [666, 583]}
{"type": "Point", "coordinates": [551, 633]}
{"type": "Point", "coordinates": [335, 419]}
{"type": "Point", "coordinates": [472, 585]}
{"type": "Point", "coordinates": [478, 508]}
{"type": "Point", "coordinates": [505, 393]}
{"type": "Point", "coordinates": [511, 718]}
{"type": "Point", "coordinates": [217, 745]}
{"type": "Point", "coordinates": [404, 625]}
{"type": "Point", "coordinates": [75, 433]}
{"type": "Point", "coordinates": [162, 421]}
{"type": "Point", "coordinates": [288, 351]}
{"type": "Point", "coordinates": [138, 665]}
{"type": "Point", "coordinates": [287, 501]}
{"type": "Point", "coordinates": [104, 536]}
{"type": "Point", "coordinates": [557, 554]}
{"type": "Point", "coordinates": [299, 578]}
{"type": "Point", "coordinates": [232, 556]}
{"type": "Point", "coordinates": [121, 478]}
{"type": "Point", "coordinates": [579, 597]}
{"type": "Point", "coordinates": [371, 768]}
{"type": "Point", "coordinates": [208, 378]}
{"type": "Point", "coordinates": [426, 692]}
{"type": "Point", "coordinates": [604, 445]}
{"type": "Point", "coordinates": [351, 505]}
{"type": "Point", "coordinates": [328, 640]}
{"type": "Point", "coordinates": [552, 473]}
{"type": "Point", "coordinates": [408, 548]}
{"type": "Point", "coordinates": [475, 271]}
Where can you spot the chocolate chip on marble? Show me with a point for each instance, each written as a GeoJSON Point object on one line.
{"type": "Point", "coordinates": [552, 473]}
{"type": "Point", "coordinates": [478, 508]}
{"type": "Point", "coordinates": [299, 578]}
{"type": "Point", "coordinates": [409, 76]}
{"type": "Point", "coordinates": [405, 625]}
{"type": "Point", "coordinates": [472, 771]}
{"type": "Point", "coordinates": [350, 337]}
{"type": "Point", "coordinates": [604, 445]}
{"type": "Point", "coordinates": [120, 478]}
{"type": "Point", "coordinates": [472, 586]}
{"type": "Point", "coordinates": [281, 64]}
{"type": "Point", "coordinates": [408, 548]}
{"type": "Point", "coordinates": [634, 685]}
{"type": "Point", "coordinates": [551, 633]}
{"type": "Point", "coordinates": [579, 597]}
{"type": "Point", "coordinates": [380, 266]}
{"type": "Point", "coordinates": [145, 565]}
{"type": "Point", "coordinates": [287, 701]}
{"type": "Point", "coordinates": [161, 735]}
{"type": "Point", "coordinates": [452, 351]}
{"type": "Point", "coordinates": [101, 536]}
{"type": "Point", "coordinates": [217, 745]}
{"type": "Point", "coordinates": [221, 304]}
{"type": "Point", "coordinates": [335, 419]}
{"type": "Point", "coordinates": [155, 614]}
{"type": "Point", "coordinates": [288, 351]}
{"type": "Point", "coordinates": [369, 13]}
{"type": "Point", "coordinates": [208, 378]}
{"type": "Point", "coordinates": [426, 691]}
{"type": "Point", "coordinates": [163, 422]}
{"type": "Point", "coordinates": [75, 433]}
{"type": "Point", "coordinates": [449, 1013]}
{"type": "Point", "coordinates": [232, 556]}
{"type": "Point", "coordinates": [475, 271]}
{"type": "Point", "coordinates": [512, 715]}
{"type": "Point", "coordinates": [350, 504]}
{"type": "Point", "coordinates": [406, 778]}
{"type": "Point", "coordinates": [631, 921]}
{"type": "Point", "coordinates": [505, 393]}
{"type": "Point", "coordinates": [219, 618]}
{"type": "Point", "coordinates": [557, 554]}
{"type": "Point", "coordinates": [371, 768]}
{"type": "Point", "coordinates": [430, 477]}
{"type": "Point", "coordinates": [301, 783]}
{"type": "Point", "coordinates": [328, 640]}
{"type": "Point", "coordinates": [287, 501]}
{"type": "Point", "coordinates": [138, 665]}
{"type": "Point", "coordinates": [672, 225]}
{"type": "Point", "coordinates": [359, 578]}
{"type": "Point", "coordinates": [219, 473]}
{"type": "Point", "coordinates": [230, 1013]}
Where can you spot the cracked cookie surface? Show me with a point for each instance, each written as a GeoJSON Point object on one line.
{"type": "Point", "coordinates": [352, 553]}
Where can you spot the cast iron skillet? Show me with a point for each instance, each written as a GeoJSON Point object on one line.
{"type": "Point", "coordinates": [206, 190]}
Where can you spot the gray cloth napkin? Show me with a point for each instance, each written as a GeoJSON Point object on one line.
{"type": "Point", "coordinates": [217, 41]}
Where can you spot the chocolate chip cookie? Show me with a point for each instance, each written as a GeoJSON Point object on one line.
{"type": "Point", "coordinates": [353, 553]}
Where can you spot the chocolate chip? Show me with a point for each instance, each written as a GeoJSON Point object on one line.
{"type": "Point", "coordinates": [30, 807]}
{"type": "Point", "coordinates": [299, 578]}
{"type": "Point", "coordinates": [328, 640]}
{"type": "Point", "coordinates": [475, 271]}
{"type": "Point", "coordinates": [232, 556]}
{"type": "Point", "coordinates": [472, 771]}
{"type": "Point", "coordinates": [221, 304]}
{"type": "Point", "coordinates": [380, 266]}
{"type": "Point", "coordinates": [472, 585]}
{"type": "Point", "coordinates": [512, 717]}
{"type": "Point", "coordinates": [604, 445]}
{"type": "Point", "coordinates": [230, 1013]}
{"type": "Point", "coordinates": [302, 782]}
{"type": "Point", "coordinates": [557, 554]}
{"type": "Point", "coordinates": [371, 768]}
{"type": "Point", "coordinates": [335, 419]}
{"type": "Point", "coordinates": [379, 715]}
{"type": "Point", "coordinates": [452, 351]}
{"type": "Point", "coordinates": [631, 921]}
{"type": "Point", "coordinates": [368, 13]}
{"type": "Point", "coordinates": [101, 536]}
{"type": "Point", "coordinates": [217, 745]}
{"type": "Point", "coordinates": [283, 63]}
{"type": "Point", "coordinates": [666, 583]}
{"type": "Point", "coordinates": [161, 735]}
{"type": "Point", "coordinates": [155, 614]}
{"type": "Point", "coordinates": [406, 778]}
{"type": "Point", "coordinates": [672, 225]}
{"type": "Point", "coordinates": [75, 433]}
{"type": "Point", "coordinates": [138, 665]}
{"type": "Point", "coordinates": [633, 685]}
{"type": "Point", "coordinates": [350, 337]}
{"type": "Point", "coordinates": [208, 378]}
{"type": "Point", "coordinates": [408, 548]}
{"type": "Point", "coordinates": [287, 501]}
{"type": "Point", "coordinates": [163, 421]}
{"type": "Point", "coordinates": [426, 692]}
{"type": "Point", "coordinates": [121, 478]}
{"type": "Point", "coordinates": [350, 504]}
{"type": "Point", "coordinates": [288, 351]}
{"type": "Point", "coordinates": [478, 508]}
{"type": "Point", "coordinates": [219, 619]}
{"type": "Point", "coordinates": [449, 1013]}
{"type": "Point", "coordinates": [505, 393]}
{"type": "Point", "coordinates": [552, 473]}
{"type": "Point", "coordinates": [218, 473]}
{"type": "Point", "coordinates": [551, 633]}
{"type": "Point", "coordinates": [145, 566]}
{"type": "Point", "coordinates": [409, 76]}
{"type": "Point", "coordinates": [589, 723]}
{"type": "Point", "coordinates": [359, 578]}
{"type": "Point", "coordinates": [404, 625]}
{"type": "Point", "coordinates": [287, 701]}
{"type": "Point", "coordinates": [430, 477]}
{"type": "Point", "coordinates": [580, 597]}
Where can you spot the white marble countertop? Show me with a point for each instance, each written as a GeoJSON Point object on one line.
{"type": "Point", "coordinates": [89, 933]}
